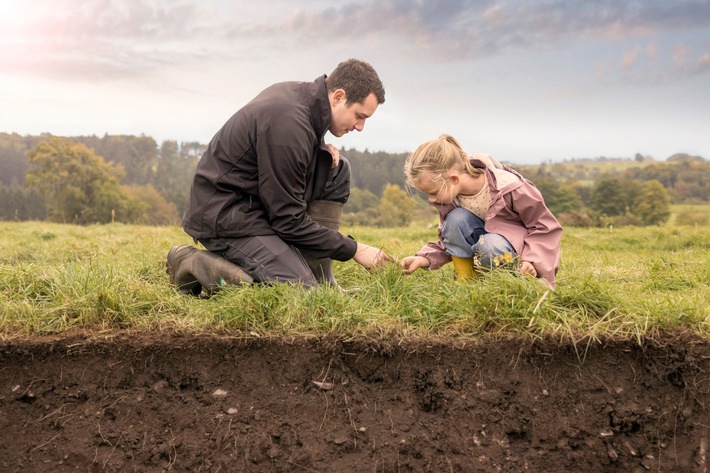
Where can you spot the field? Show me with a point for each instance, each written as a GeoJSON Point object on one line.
{"type": "Point", "coordinates": [104, 367]}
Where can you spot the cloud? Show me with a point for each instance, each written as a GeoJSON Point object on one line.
{"type": "Point", "coordinates": [100, 40]}
{"type": "Point", "coordinates": [704, 63]}
{"type": "Point", "coordinates": [680, 53]}
{"type": "Point", "coordinates": [628, 60]}
{"type": "Point", "coordinates": [105, 39]}
{"type": "Point", "coordinates": [651, 52]}
{"type": "Point", "coordinates": [132, 19]}
{"type": "Point", "coordinates": [455, 30]}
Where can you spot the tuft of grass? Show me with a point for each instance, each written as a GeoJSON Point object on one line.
{"type": "Point", "coordinates": [627, 283]}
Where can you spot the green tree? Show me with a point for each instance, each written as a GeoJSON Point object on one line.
{"type": "Point", "coordinates": [559, 198]}
{"type": "Point", "coordinates": [687, 182]}
{"type": "Point", "coordinates": [613, 196]}
{"type": "Point", "coordinates": [155, 210]}
{"type": "Point", "coordinates": [653, 203]}
{"type": "Point", "coordinates": [78, 186]}
{"type": "Point", "coordinates": [174, 171]}
{"type": "Point", "coordinates": [373, 171]}
{"type": "Point", "coordinates": [20, 204]}
{"type": "Point", "coordinates": [13, 158]}
{"type": "Point", "coordinates": [360, 200]}
{"type": "Point", "coordinates": [396, 207]}
{"type": "Point", "coordinates": [136, 154]}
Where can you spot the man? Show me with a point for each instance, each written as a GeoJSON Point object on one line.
{"type": "Point", "coordinates": [268, 192]}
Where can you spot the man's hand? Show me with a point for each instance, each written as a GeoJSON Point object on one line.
{"type": "Point", "coordinates": [370, 257]}
{"type": "Point", "coordinates": [336, 155]}
{"type": "Point", "coordinates": [412, 263]}
{"type": "Point", "coordinates": [527, 268]}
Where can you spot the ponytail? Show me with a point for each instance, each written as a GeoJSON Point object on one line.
{"type": "Point", "coordinates": [437, 156]}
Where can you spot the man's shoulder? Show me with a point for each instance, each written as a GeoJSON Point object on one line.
{"type": "Point", "coordinates": [283, 98]}
{"type": "Point", "coordinates": [289, 108]}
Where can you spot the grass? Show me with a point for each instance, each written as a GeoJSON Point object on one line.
{"type": "Point", "coordinates": [628, 283]}
{"type": "Point", "coordinates": [695, 209]}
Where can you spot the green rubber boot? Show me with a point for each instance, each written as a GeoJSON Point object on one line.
{"type": "Point", "coordinates": [201, 272]}
{"type": "Point", "coordinates": [327, 214]}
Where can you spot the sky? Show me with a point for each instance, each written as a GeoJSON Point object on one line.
{"type": "Point", "coordinates": [526, 82]}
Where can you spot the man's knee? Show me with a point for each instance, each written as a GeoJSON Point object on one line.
{"type": "Point", "coordinates": [268, 259]}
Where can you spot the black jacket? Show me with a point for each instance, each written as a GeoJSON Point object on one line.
{"type": "Point", "coordinates": [263, 166]}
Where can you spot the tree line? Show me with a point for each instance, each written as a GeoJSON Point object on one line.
{"type": "Point", "coordinates": [129, 178]}
{"type": "Point", "coordinates": [686, 177]}
{"type": "Point", "coordinates": [132, 179]}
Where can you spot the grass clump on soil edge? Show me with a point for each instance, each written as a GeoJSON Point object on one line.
{"type": "Point", "coordinates": [627, 283]}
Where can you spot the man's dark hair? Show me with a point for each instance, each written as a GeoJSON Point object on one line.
{"type": "Point", "coordinates": [358, 79]}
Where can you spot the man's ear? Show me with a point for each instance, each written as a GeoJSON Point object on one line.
{"type": "Point", "coordinates": [339, 96]}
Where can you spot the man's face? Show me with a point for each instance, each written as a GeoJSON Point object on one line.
{"type": "Point", "coordinates": [352, 116]}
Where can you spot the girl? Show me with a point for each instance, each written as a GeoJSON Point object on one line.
{"type": "Point", "coordinates": [489, 214]}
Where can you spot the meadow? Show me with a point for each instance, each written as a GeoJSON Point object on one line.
{"type": "Point", "coordinates": [614, 282]}
{"type": "Point", "coordinates": [107, 367]}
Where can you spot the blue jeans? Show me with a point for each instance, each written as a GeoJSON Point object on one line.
{"type": "Point", "coordinates": [465, 237]}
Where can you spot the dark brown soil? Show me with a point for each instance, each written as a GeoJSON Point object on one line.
{"type": "Point", "coordinates": [155, 402]}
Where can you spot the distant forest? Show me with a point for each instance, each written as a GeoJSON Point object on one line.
{"type": "Point", "coordinates": [168, 168]}
{"type": "Point", "coordinates": [162, 173]}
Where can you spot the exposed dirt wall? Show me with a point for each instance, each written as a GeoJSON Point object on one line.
{"type": "Point", "coordinates": [153, 402]}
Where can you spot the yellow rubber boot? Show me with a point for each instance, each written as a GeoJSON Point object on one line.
{"type": "Point", "coordinates": [463, 267]}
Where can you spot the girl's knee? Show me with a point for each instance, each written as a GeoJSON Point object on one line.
{"type": "Point", "coordinates": [494, 250]}
{"type": "Point", "coordinates": [457, 217]}
{"type": "Point", "coordinates": [462, 219]}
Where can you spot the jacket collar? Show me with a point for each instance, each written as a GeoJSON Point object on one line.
{"type": "Point", "coordinates": [321, 116]}
{"type": "Point", "coordinates": [500, 176]}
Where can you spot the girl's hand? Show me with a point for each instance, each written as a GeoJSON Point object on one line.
{"type": "Point", "coordinates": [527, 268]}
{"type": "Point", "coordinates": [336, 154]}
{"type": "Point", "coordinates": [412, 263]}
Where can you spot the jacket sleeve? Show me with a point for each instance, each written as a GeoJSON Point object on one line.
{"type": "Point", "coordinates": [284, 152]}
{"type": "Point", "coordinates": [435, 251]}
{"type": "Point", "coordinates": [541, 245]}
{"type": "Point", "coordinates": [435, 254]}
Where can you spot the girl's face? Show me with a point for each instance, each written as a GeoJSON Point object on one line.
{"type": "Point", "coordinates": [439, 188]}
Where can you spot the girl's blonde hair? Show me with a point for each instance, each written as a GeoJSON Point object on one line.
{"type": "Point", "coordinates": [437, 157]}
